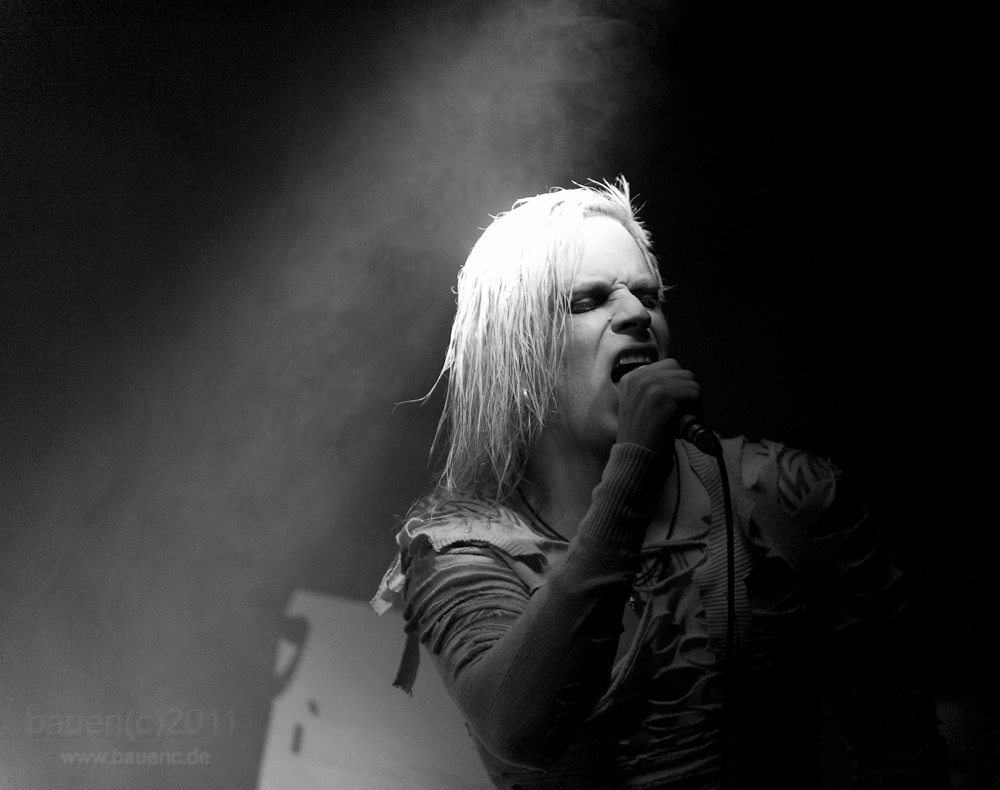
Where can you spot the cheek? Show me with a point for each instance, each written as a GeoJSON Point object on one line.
{"type": "Point", "coordinates": [580, 380]}
{"type": "Point", "coordinates": [581, 350]}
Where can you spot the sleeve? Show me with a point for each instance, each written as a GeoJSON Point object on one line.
{"type": "Point", "coordinates": [526, 667]}
{"type": "Point", "coordinates": [869, 642]}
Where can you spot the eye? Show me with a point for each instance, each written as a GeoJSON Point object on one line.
{"type": "Point", "coordinates": [585, 302]}
{"type": "Point", "coordinates": [649, 298]}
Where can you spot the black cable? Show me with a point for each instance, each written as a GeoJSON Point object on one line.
{"type": "Point", "coordinates": [730, 617]}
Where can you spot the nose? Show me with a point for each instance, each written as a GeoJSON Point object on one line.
{"type": "Point", "coordinates": [631, 317]}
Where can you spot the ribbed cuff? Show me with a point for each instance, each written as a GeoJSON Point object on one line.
{"type": "Point", "coordinates": [623, 502]}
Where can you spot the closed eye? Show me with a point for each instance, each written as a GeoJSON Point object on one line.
{"type": "Point", "coordinates": [649, 297]}
{"type": "Point", "coordinates": [585, 301]}
{"type": "Point", "coordinates": [583, 305]}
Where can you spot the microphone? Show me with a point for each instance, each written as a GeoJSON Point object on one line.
{"type": "Point", "coordinates": [692, 429]}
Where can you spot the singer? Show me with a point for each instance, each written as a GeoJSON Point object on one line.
{"type": "Point", "coordinates": [570, 572]}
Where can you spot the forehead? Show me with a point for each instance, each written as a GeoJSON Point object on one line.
{"type": "Point", "coordinates": [609, 254]}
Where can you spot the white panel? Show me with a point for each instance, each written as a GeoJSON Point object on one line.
{"type": "Point", "coordinates": [340, 725]}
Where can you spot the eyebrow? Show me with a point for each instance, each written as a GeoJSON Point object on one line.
{"type": "Point", "coordinates": [643, 286]}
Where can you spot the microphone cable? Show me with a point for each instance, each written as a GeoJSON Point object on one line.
{"type": "Point", "coordinates": [695, 432]}
{"type": "Point", "coordinates": [730, 618]}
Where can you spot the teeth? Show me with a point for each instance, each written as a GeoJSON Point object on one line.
{"type": "Point", "coordinates": [636, 358]}
{"type": "Point", "coordinates": [629, 361]}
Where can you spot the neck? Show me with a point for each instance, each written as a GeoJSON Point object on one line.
{"type": "Point", "coordinates": [558, 484]}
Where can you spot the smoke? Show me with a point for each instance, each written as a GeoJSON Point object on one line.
{"type": "Point", "coordinates": [246, 444]}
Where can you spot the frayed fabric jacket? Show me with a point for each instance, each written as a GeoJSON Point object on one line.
{"type": "Point", "coordinates": [524, 631]}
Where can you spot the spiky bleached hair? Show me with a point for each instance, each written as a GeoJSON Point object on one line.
{"type": "Point", "coordinates": [509, 332]}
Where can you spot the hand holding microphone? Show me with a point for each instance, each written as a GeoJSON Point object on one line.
{"type": "Point", "coordinates": [660, 402]}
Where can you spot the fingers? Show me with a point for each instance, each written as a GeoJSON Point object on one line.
{"type": "Point", "coordinates": [666, 370]}
{"type": "Point", "coordinates": [653, 399]}
{"type": "Point", "coordinates": [665, 364]}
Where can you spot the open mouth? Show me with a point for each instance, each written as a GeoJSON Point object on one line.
{"type": "Point", "coordinates": [628, 361]}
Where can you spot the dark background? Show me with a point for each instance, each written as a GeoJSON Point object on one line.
{"type": "Point", "coordinates": [228, 236]}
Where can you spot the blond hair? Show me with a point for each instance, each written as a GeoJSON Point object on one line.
{"type": "Point", "coordinates": [508, 335]}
